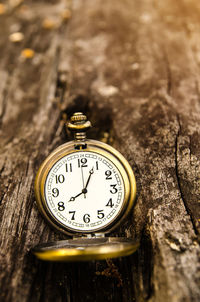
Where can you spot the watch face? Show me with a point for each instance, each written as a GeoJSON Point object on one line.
{"type": "Point", "coordinates": [84, 191]}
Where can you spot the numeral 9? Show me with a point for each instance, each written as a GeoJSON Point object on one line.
{"type": "Point", "coordinates": [55, 192]}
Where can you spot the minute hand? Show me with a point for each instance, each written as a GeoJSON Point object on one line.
{"type": "Point", "coordinates": [88, 180]}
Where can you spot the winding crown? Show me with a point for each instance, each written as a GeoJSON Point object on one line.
{"type": "Point", "coordinates": [79, 125]}
{"type": "Point", "coordinates": [78, 117]}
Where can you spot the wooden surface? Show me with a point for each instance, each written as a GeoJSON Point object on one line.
{"type": "Point", "coordinates": [133, 67]}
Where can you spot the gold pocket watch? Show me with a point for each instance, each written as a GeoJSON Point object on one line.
{"type": "Point", "coordinates": [85, 188]}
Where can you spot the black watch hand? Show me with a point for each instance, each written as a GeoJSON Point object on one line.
{"type": "Point", "coordinates": [73, 198]}
{"type": "Point", "coordinates": [91, 172]}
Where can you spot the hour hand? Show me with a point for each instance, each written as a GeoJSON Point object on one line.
{"type": "Point", "coordinates": [73, 198]}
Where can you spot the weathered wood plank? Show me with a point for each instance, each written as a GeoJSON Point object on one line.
{"type": "Point", "coordinates": [133, 67]}
{"type": "Point", "coordinates": [28, 106]}
{"type": "Point", "coordinates": [146, 76]}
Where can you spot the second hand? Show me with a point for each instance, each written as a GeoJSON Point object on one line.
{"type": "Point", "coordinates": [83, 180]}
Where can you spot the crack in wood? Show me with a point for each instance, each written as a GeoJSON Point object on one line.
{"type": "Point", "coordinates": [179, 179]}
{"type": "Point", "coordinates": [169, 77]}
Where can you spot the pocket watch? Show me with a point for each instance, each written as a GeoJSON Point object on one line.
{"type": "Point", "coordinates": [85, 189]}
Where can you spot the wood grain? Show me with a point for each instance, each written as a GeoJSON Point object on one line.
{"type": "Point", "coordinates": [133, 68]}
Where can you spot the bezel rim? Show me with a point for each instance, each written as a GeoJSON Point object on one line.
{"type": "Point", "coordinates": [103, 149]}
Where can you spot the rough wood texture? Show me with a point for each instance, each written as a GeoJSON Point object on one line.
{"type": "Point", "coordinates": [133, 67]}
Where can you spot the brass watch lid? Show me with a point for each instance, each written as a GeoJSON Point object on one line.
{"type": "Point", "coordinates": [85, 249]}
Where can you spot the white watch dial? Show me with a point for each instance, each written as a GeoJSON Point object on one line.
{"type": "Point", "coordinates": [84, 191]}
